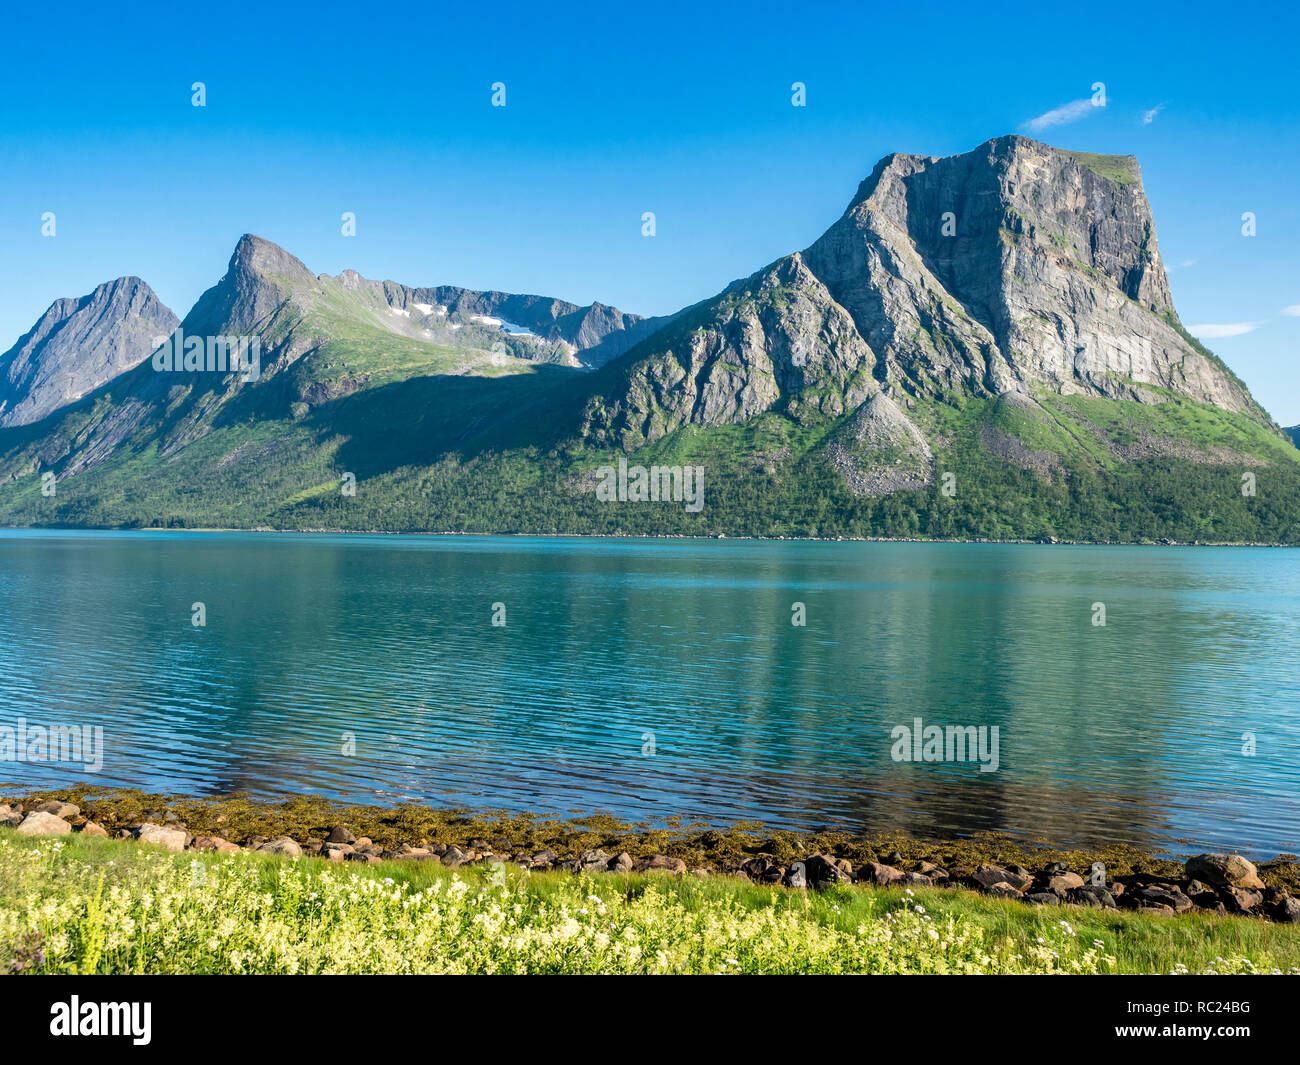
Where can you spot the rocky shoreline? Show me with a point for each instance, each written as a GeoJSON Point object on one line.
{"type": "Point", "coordinates": [324, 531]}
{"type": "Point", "coordinates": [1116, 878]}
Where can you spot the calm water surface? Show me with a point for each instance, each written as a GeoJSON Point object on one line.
{"type": "Point", "coordinates": [652, 678]}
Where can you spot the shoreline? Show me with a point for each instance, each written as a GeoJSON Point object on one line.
{"type": "Point", "coordinates": [1033, 872]}
{"type": "Point", "coordinates": [270, 531]}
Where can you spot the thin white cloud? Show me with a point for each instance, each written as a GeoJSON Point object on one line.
{"type": "Point", "coordinates": [1063, 115]}
{"type": "Point", "coordinates": [1226, 329]}
{"type": "Point", "coordinates": [1183, 265]}
{"type": "Point", "coordinates": [1150, 116]}
{"type": "Point", "coordinates": [1293, 311]}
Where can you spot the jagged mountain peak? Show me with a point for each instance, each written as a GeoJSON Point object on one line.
{"type": "Point", "coordinates": [1049, 254]}
{"type": "Point", "coordinates": [311, 340]}
{"type": "Point", "coordinates": [259, 256]}
{"type": "Point", "coordinates": [1006, 150]}
{"type": "Point", "coordinates": [79, 344]}
{"type": "Point", "coordinates": [259, 279]}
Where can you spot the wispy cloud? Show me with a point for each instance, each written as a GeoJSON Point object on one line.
{"type": "Point", "coordinates": [1150, 116]}
{"type": "Point", "coordinates": [1063, 115]}
{"type": "Point", "coordinates": [1293, 311]}
{"type": "Point", "coordinates": [1182, 265]}
{"type": "Point", "coordinates": [1225, 329]}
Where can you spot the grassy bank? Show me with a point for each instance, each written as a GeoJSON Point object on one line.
{"type": "Point", "coordinates": [78, 904]}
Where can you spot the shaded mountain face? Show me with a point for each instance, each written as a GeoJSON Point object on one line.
{"type": "Point", "coordinates": [79, 345]}
{"type": "Point", "coordinates": [1294, 433]}
{"type": "Point", "coordinates": [1015, 268]}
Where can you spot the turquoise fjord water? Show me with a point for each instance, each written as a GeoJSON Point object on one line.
{"type": "Point", "coordinates": [651, 678]}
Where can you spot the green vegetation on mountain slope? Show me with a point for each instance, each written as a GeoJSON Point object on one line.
{"type": "Point", "coordinates": [1029, 380]}
{"type": "Point", "coordinates": [455, 452]}
{"type": "Point", "coordinates": [1121, 169]}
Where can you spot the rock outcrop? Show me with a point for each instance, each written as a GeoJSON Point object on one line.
{"type": "Point", "coordinates": [37, 823]}
{"type": "Point", "coordinates": [1011, 266]}
{"type": "Point", "coordinates": [779, 334]}
{"type": "Point", "coordinates": [1224, 871]}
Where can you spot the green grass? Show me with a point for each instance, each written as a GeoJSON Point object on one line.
{"type": "Point", "coordinates": [1122, 169]}
{"type": "Point", "coordinates": [1175, 419]}
{"type": "Point", "coordinates": [90, 905]}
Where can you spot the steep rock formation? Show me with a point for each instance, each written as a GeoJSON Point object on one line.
{"type": "Point", "coordinates": [78, 345]}
{"type": "Point", "coordinates": [1009, 269]}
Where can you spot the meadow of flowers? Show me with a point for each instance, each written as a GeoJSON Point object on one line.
{"type": "Point", "coordinates": [123, 908]}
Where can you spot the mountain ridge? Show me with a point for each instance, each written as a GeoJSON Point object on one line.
{"type": "Point", "coordinates": [78, 345]}
{"type": "Point", "coordinates": [998, 320]}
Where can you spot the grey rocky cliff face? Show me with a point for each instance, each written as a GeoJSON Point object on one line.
{"type": "Point", "coordinates": [779, 333]}
{"type": "Point", "coordinates": [79, 345]}
{"type": "Point", "coordinates": [1015, 266]}
{"type": "Point", "coordinates": [1012, 268]}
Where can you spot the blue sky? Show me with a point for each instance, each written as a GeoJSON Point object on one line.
{"type": "Point", "coordinates": [385, 111]}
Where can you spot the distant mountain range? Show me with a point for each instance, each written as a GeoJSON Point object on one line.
{"type": "Point", "coordinates": [982, 345]}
